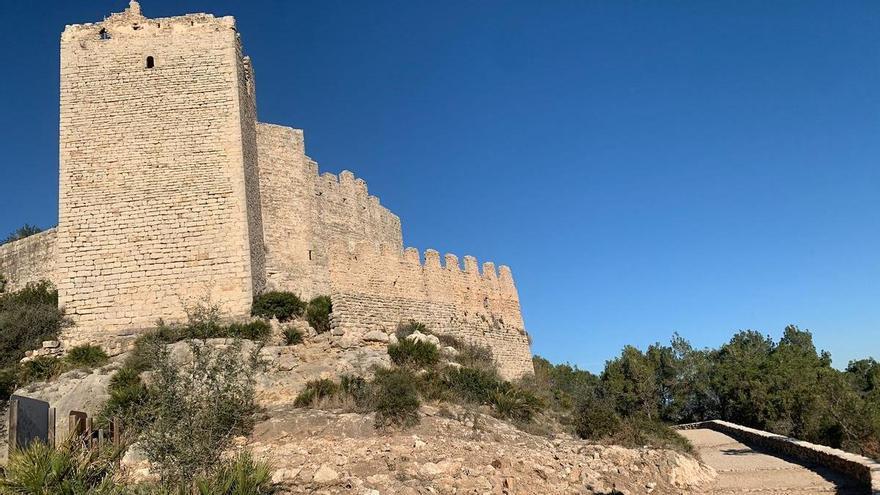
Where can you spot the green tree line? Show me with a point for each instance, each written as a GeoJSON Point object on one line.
{"type": "Point", "coordinates": [786, 387]}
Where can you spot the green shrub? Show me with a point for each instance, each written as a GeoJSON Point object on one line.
{"type": "Point", "coordinates": [128, 400]}
{"type": "Point", "coordinates": [407, 328]}
{"type": "Point", "coordinates": [27, 318]}
{"type": "Point", "coordinates": [292, 336]}
{"type": "Point", "coordinates": [147, 346]}
{"type": "Point", "coordinates": [67, 470]}
{"type": "Point", "coordinates": [8, 380]}
{"type": "Point", "coordinates": [595, 419]}
{"type": "Point", "coordinates": [414, 354]}
{"type": "Point", "coordinates": [318, 313]}
{"type": "Point", "coordinates": [359, 390]}
{"type": "Point", "coordinates": [472, 385]}
{"type": "Point", "coordinates": [514, 403]}
{"type": "Point", "coordinates": [197, 410]}
{"type": "Point", "coordinates": [314, 391]}
{"type": "Point", "coordinates": [239, 476]}
{"type": "Point", "coordinates": [255, 330]}
{"type": "Point", "coordinates": [203, 319]}
{"type": "Point", "coordinates": [470, 355]}
{"type": "Point", "coordinates": [281, 305]}
{"type": "Point", "coordinates": [40, 368]}
{"type": "Point", "coordinates": [86, 356]}
{"type": "Point", "coordinates": [639, 431]}
{"type": "Point", "coordinates": [396, 398]}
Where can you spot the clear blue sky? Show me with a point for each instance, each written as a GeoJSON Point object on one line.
{"type": "Point", "coordinates": [644, 167]}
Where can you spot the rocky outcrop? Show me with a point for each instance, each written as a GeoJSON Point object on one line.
{"type": "Point", "coordinates": [456, 450]}
{"type": "Point", "coordinates": [453, 450]}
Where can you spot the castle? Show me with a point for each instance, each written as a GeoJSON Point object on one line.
{"type": "Point", "coordinates": [170, 188]}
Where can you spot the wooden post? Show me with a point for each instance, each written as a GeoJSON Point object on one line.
{"type": "Point", "coordinates": [90, 432]}
{"type": "Point", "coordinates": [115, 432]}
{"type": "Point", "coordinates": [50, 431]}
{"type": "Point", "coordinates": [76, 424]}
{"type": "Point", "coordinates": [13, 425]}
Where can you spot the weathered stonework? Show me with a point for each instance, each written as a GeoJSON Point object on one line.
{"type": "Point", "coordinates": [377, 287]}
{"type": "Point", "coordinates": [27, 260]}
{"type": "Point", "coordinates": [171, 190]}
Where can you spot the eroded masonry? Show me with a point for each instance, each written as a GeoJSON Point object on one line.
{"type": "Point", "coordinates": [170, 189]}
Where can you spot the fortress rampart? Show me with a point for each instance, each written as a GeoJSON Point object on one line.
{"type": "Point", "coordinates": [377, 287]}
{"type": "Point", "coordinates": [171, 190]}
{"type": "Point", "coordinates": [304, 212]}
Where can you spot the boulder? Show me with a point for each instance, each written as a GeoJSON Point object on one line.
{"type": "Point", "coordinates": [376, 336]}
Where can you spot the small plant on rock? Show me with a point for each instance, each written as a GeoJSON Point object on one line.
{"type": "Point", "coordinates": [292, 336]}
{"type": "Point", "coordinates": [40, 368]}
{"type": "Point", "coordinates": [281, 305]}
{"type": "Point", "coordinates": [314, 391]}
{"type": "Point", "coordinates": [254, 330]}
{"type": "Point", "coordinates": [86, 356]}
{"type": "Point", "coordinates": [405, 329]}
{"type": "Point", "coordinates": [414, 354]}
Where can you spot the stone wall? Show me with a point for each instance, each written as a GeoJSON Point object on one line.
{"type": "Point", "coordinates": [153, 171]}
{"type": "Point", "coordinates": [377, 288]}
{"type": "Point", "coordinates": [28, 260]}
{"type": "Point", "coordinates": [861, 468]}
{"type": "Point", "coordinates": [304, 213]}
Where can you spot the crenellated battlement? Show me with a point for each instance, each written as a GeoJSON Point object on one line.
{"type": "Point", "coordinates": [377, 286]}
{"type": "Point", "coordinates": [430, 259]}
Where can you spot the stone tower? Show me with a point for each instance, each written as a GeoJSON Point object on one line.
{"type": "Point", "coordinates": [159, 188]}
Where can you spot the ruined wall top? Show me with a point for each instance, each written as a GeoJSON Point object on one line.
{"type": "Point", "coordinates": [132, 22]}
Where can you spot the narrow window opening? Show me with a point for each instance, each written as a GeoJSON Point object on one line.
{"type": "Point", "coordinates": [150, 62]}
{"type": "Point", "coordinates": [103, 34]}
{"type": "Point", "coordinates": [310, 255]}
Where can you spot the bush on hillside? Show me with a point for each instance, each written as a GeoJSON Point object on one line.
{"type": "Point", "coordinates": [470, 355]}
{"type": "Point", "coordinates": [86, 356]}
{"type": "Point", "coordinates": [281, 305]}
{"type": "Point", "coordinates": [514, 403]}
{"type": "Point", "coordinates": [27, 318]}
{"type": "Point", "coordinates": [314, 391]}
{"type": "Point", "coordinates": [39, 369]}
{"type": "Point", "coordinates": [215, 392]}
{"type": "Point", "coordinates": [318, 313]}
{"type": "Point", "coordinates": [595, 419]}
{"type": "Point", "coordinates": [397, 398]}
{"type": "Point", "coordinates": [254, 330]}
{"type": "Point", "coordinates": [407, 328]}
{"type": "Point", "coordinates": [292, 336]}
{"type": "Point", "coordinates": [128, 401]}
{"type": "Point", "coordinates": [414, 354]}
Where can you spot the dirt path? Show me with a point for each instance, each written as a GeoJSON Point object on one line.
{"type": "Point", "coordinates": [742, 469]}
